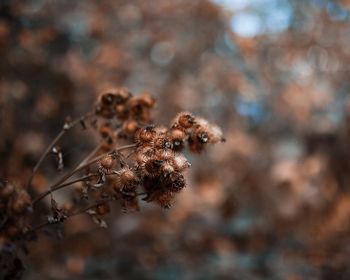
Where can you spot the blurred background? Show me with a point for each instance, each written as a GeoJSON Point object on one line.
{"type": "Point", "coordinates": [273, 202]}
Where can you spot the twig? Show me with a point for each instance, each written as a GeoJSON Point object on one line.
{"type": "Point", "coordinates": [77, 169]}
{"type": "Point", "coordinates": [81, 211]}
{"type": "Point", "coordinates": [50, 191]}
{"type": "Point", "coordinates": [66, 127]}
{"type": "Point", "coordinates": [93, 152]}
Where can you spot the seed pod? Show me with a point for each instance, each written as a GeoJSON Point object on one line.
{"type": "Point", "coordinates": [127, 177]}
{"type": "Point", "coordinates": [130, 126]}
{"type": "Point", "coordinates": [194, 144]}
{"type": "Point", "coordinates": [202, 137]}
{"type": "Point", "coordinates": [163, 198]}
{"type": "Point", "coordinates": [122, 95]}
{"type": "Point", "coordinates": [153, 167]}
{"type": "Point", "coordinates": [180, 163]}
{"type": "Point", "coordinates": [107, 162]}
{"type": "Point", "coordinates": [184, 120]}
{"type": "Point", "coordinates": [114, 96]}
{"type": "Point", "coordinates": [163, 142]}
{"type": "Point", "coordinates": [142, 158]}
{"type": "Point", "coordinates": [177, 137]}
{"type": "Point", "coordinates": [167, 168]}
{"type": "Point", "coordinates": [147, 151]}
{"type": "Point", "coordinates": [164, 154]}
{"type": "Point", "coordinates": [215, 134]}
{"type": "Point", "coordinates": [121, 111]}
{"type": "Point", "coordinates": [175, 182]}
{"type": "Point", "coordinates": [107, 99]}
{"type": "Point", "coordinates": [145, 135]}
{"type": "Point", "coordinates": [207, 132]}
{"type": "Point", "coordinates": [148, 100]}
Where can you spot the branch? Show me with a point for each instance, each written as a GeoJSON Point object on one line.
{"type": "Point", "coordinates": [66, 127]}
{"type": "Point", "coordinates": [77, 169]}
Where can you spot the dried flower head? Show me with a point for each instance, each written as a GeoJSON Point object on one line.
{"type": "Point", "coordinates": [107, 162]}
{"type": "Point", "coordinates": [184, 120]}
{"type": "Point", "coordinates": [145, 136]}
{"type": "Point", "coordinates": [177, 136]}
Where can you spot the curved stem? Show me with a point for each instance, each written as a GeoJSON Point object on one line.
{"type": "Point", "coordinates": [77, 169]}
{"type": "Point", "coordinates": [65, 128]}
{"type": "Point", "coordinates": [81, 211]}
{"type": "Point", "coordinates": [44, 194]}
{"type": "Point", "coordinates": [93, 152]}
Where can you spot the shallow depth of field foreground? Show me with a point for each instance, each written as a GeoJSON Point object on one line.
{"type": "Point", "coordinates": [201, 139]}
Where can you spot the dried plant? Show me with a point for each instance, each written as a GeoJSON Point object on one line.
{"type": "Point", "coordinates": [135, 159]}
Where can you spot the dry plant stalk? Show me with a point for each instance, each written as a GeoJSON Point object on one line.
{"type": "Point", "coordinates": [152, 169]}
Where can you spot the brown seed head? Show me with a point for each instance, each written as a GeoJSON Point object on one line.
{"type": "Point", "coordinates": [130, 126]}
{"type": "Point", "coordinates": [121, 111]}
{"type": "Point", "coordinates": [153, 167]}
{"type": "Point", "coordinates": [145, 135]}
{"type": "Point", "coordinates": [107, 162]}
{"type": "Point", "coordinates": [175, 182]}
{"type": "Point", "coordinates": [184, 120]}
{"type": "Point", "coordinates": [148, 100]}
{"type": "Point", "coordinates": [127, 177]}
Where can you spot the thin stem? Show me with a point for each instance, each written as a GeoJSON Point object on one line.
{"type": "Point", "coordinates": [65, 128]}
{"type": "Point", "coordinates": [93, 152]}
{"type": "Point", "coordinates": [50, 191]}
{"type": "Point", "coordinates": [81, 211]}
{"type": "Point", "coordinates": [77, 169]}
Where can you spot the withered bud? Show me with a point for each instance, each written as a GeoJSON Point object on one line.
{"type": "Point", "coordinates": [194, 144]}
{"type": "Point", "coordinates": [153, 167]}
{"type": "Point", "coordinates": [130, 126]}
{"type": "Point", "coordinates": [167, 168]}
{"type": "Point", "coordinates": [121, 111]}
{"type": "Point", "coordinates": [208, 132]}
{"type": "Point", "coordinates": [145, 135]}
{"type": "Point", "coordinates": [142, 158]}
{"type": "Point", "coordinates": [177, 136]}
{"type": "Point", "coordinates": [163, 142]}
{"type": "Point", "coordinates": [122, 95]}
{"type": "Point", "coordinates": [184, 120]}
{"type": "Point", "coordinates": [127, 176]}
{"type": "Point", "coordinates": [114, 96]}
{"type": "Point", "coordinates": [147, 151]}
{"type": "Point", "coordinates": [107, 162]}
{"type": "Point", "coordinates": [180, 163]}
{"type": "Point", "coordinates": [164, 198]}
{"type": "Point", "coordinates": [175, 182]}
{"type": "Point", "coordinates": [147, 99]}
{"type": "Point", "coordinates": [164, 154]}
{"type": "Point", "coordinates": [202, 137]}
{"type": "Point", "coordinates": [215, 134]}
{"type": "Point", "coordinates": [107, 99]}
